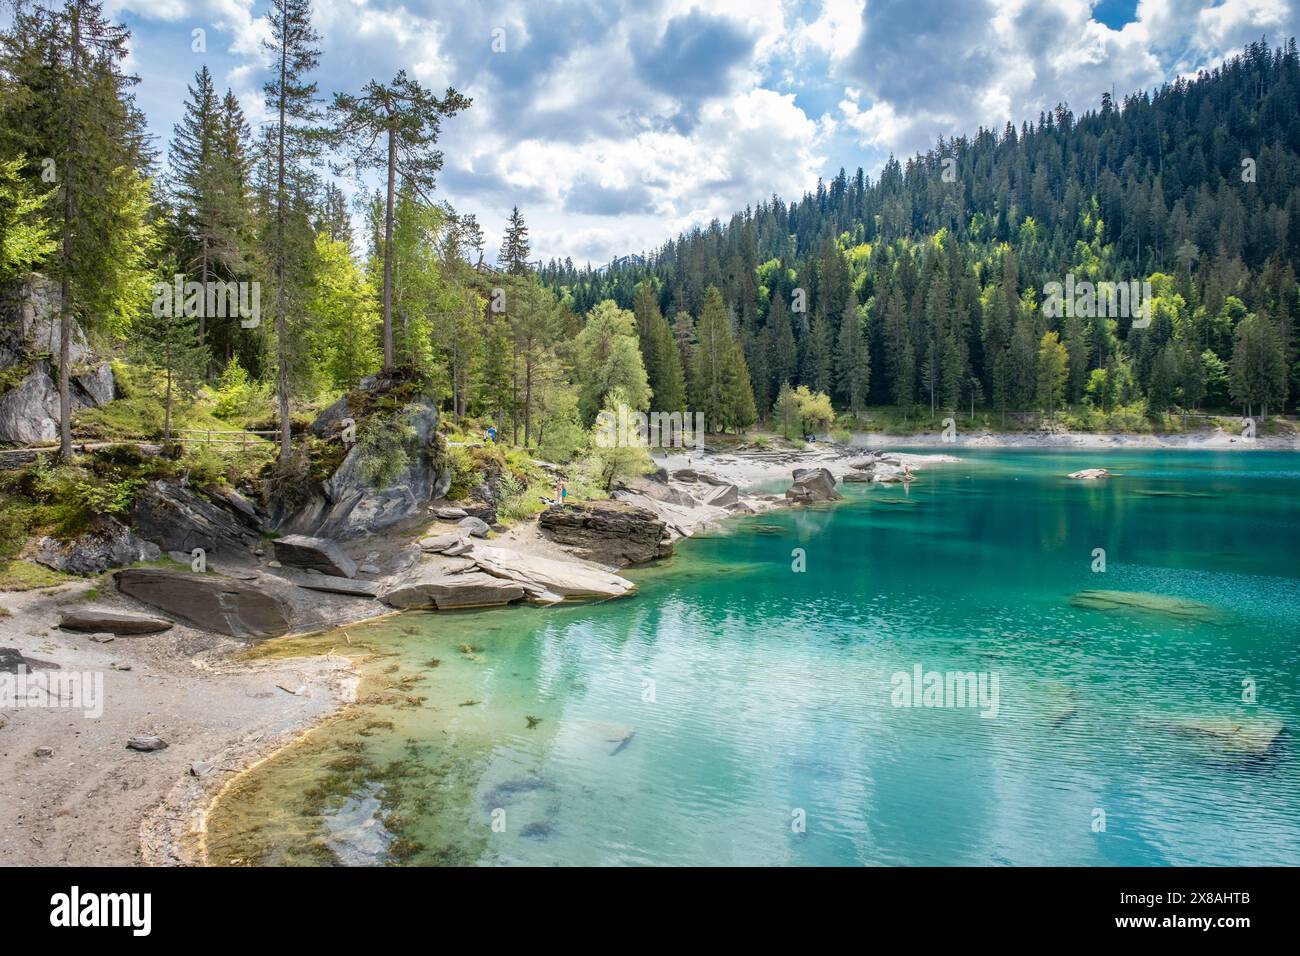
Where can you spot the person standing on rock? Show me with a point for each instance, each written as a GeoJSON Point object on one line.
{"type": "Point", "coordinates": [564, 494]}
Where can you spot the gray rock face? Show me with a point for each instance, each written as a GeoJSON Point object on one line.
{"type": "Point", "coordinates": [209, 601]}
{"type": "Point", "coordinates": [30, 335]}
{"type": "Point", "coordinates": [475, 526]}
{"type": "Point", "coordinates": [611, 532]}
{"type": "Point", "coordinates": [427, 585]}
{"type": "Point", "coordinates": [330, 584]}
{"type": "Point", "coordinates": [313, 554]}
{"type": "Point", "coordinates": [177, 519]}
{"type": "Point", "coordinates": [110, 544]}
{"type": "Point", "coordinates": [719, 496]}
{"type": "Point", "coordinates": [671, 493]}
{"type": "Point", "coordinates": [812, 484]}
{"type": "Point", "coordinates": [97, 620]}
{"type": "Point", "coordinates": [349, 504]}
{"type": "Point", "coordinates": [548, 580]}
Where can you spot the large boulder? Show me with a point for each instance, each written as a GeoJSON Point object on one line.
{"type": "Point", "coordinates": [611, 532]}
{"type": "Point", "coordinates": [30, 334]}
{"type": "Point", "coordinates": [352, 502]}
{"type": "Point", "coordinates": [548, 580]}
{"type": "Point", "coordinates": [209, 601]}
{"type": "Point", "coordinates": [178, 519]}
{"type": "Point", "coordinates": [95, 620]}
{"type": "Point", "coordinates": [720, 496]}
{"type": "Point", "coordinates": [666, 491]}
{"type": "Point", "coordinates": [432, 585]}
{"type": "Point", "coordinates": [108, 544]}
{"type": "Point", "coordinates": [812, 484]}
{"type": "Point", "coordinates": [314, 554]}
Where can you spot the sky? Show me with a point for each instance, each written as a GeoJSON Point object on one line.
{"type": "Point", "coordinates": [616, 124]}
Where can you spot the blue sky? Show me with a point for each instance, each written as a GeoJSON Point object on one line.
{"type": "Point", "coordinates": [614, 125]}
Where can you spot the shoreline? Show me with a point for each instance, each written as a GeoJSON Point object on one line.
{"type": "Point", "coordinates": [96, 800]}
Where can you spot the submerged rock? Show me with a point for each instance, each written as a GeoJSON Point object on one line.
{"type": "Point", "coordinates": [1143, 602]}
{"type": "Point", "coordinates": [209, 601]}
{"type": "Point", "coordinates": [95, 620]}
{"type": "Point", "coordinates": [1089, 473]}
{"type": "Point", "coordinates": [1244, 736]}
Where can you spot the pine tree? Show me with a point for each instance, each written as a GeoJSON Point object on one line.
{"type": "Point", "coordinates": [395, 128]}
{"type": "Point", "coordinates": [722, 390]}
{"type": "Point", "coordinates": [514, 253]}
{"type": "Point", "coordinates": [295, 144]}
{"type": "Point", "coordinates": [854, 361]}
{"type": "Point", "coordinates": [73, 107]}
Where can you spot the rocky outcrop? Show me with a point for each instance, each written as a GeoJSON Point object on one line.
{"type": "Point", "coordinates": [314, 554]}
{"type": "Point", "coordinates": [210, 601]}
{"type": "Point", "coordinates": [549, 581]}
{"type": "Point", "coordinates": [432, 585]}
{"type": "Point", "coordinates": [178, 519]}
{"type": "Point", "coordinates": [331, 584]}
{"type": "Point", "coordinates": [94, 620]}
{"type": "Point", "coordinates": [30, 338]}
{"type": "Point", "coordinates": [812, 485]}
{"type": "Point", "coordinates": [109, 544]}
{"type": "Point", "coordinates": [351, 502]}
{"type": "Point", "coordinates": [610, 532]}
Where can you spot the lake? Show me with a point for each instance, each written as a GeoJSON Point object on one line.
{"type": "Point", "coordinates": [740, 710]}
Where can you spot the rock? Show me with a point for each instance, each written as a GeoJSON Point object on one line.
{"type": "Point", "coordinates": [177, 519]}
{"type": "Point", "coordinates": [812, 484]}
{"type": "Point", "coordinates": [368, 569]}
{"type": "Point", "coordinates": [720, 496]}
{"type": "Point", "coordinates": [101, 638]}
{"type": "Point", "coordinates": [451, 514]}
{"type": "Point", "coordinates": [857, 477]}
{"type": "Point", "coordinates": [430, 585]}
{"type": "Point", "coordinates": [44, 752]}
{"type": "Point", "coordinates": [314, 554]}
{"type": "Point", "coordinates": [686, 474]}
{"type": "Point", "coordinates": [441, 542]}
{"type": "Point", "coordinates": [145, 743]}
{"type": "Point", "coordinates": [274, 564]}
{"type": "Point", "coordinates": [475, 526]}
{"type": "Point", "coordinates": [29, 412]}
{"type": "Point", "coordinates": [1143, 602]}
{"type": "Point", "coordinates": [115, 622]}
{"type": "Point", "coordinates": [1089, 473]}
{"type": "Point", "coordinates": [331, 584]}
{"type": "Point", "coordinates": [109, 544]}
{"type": "Point", "coordinates": [348, 503]}
{"type": "Point", "coordinates": [611, 532]}
{"type": "Point", "coordinates": [661, 491]}
{"type": "Point", "coordinates": [11, 659]}
{"type": "Point", "coordinates": [200, 769]}
{"type": "Point", "coordinates": [95, 386]}
{"type": "Point", "coordinates": [1244, 736]}
{"type": "Point", "coordinates": [209, 601]}
{"type": "Point", "coordinates": [547, 577]}
{"type": "Point", "coordinates": [237, 502]}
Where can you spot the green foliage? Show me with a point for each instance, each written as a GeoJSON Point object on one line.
{"type": "Point", "coordinates": [608, 359]}
{"type": "Point", "coordinates": [384, 448]}
{"type": "Point", "coordinates": [26, 236]}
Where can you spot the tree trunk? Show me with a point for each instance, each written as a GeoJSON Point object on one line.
{"type": "Point", "coordinates": [65, 284]}
{"type": "Point", "coordinates": [388, 253]}
{"type": "Point", "coordinates": [281, 326]}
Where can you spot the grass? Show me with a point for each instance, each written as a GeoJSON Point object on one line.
{"type": "Point", "coordinates": [17, 575]}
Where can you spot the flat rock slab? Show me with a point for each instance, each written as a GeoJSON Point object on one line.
{"type": "Point", "coordinates": [11, 659]}
{"type": "Point", "coordinates": [430, 586]}
{"type": "Point", "coordinates": [547, 577]}
{"type": "Point", "coordinates": [314, 554]}
{"type": "Point", "coordinates": [1248, 736]}
{"type": "Point", "coordinates": [330, 584]}
{"type": "Point", "coordinates": [475, 526]}
{"type": "Point", "coordinates": [209, 601]}
{"type": "Point", "coordinates": [1089, 473]}
{"type": "Point", "coordinates": [440, 543]}
{"type": "Point", "coordinates": [1144, 602]}
{"type": "Point", "coordinates": [97, 620]}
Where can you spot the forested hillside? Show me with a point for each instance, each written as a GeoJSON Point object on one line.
{"type": "Point", "coordinates": [924, 287]}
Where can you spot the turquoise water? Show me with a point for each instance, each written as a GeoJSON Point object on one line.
{"type": "Point", "coordinates": [740, 712]}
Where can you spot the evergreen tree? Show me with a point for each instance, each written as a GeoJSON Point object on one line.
{"type": "Point", "coordinates": [394, 127]}
{"type": "Point", "coordinates": [514, 253]}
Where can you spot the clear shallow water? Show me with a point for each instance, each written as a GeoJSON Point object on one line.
{"type": "Point", "coordinates": [692, 723]}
